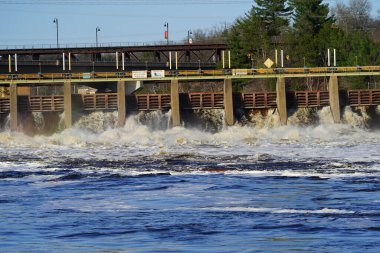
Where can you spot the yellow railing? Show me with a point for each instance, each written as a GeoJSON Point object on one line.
{"type": "Point", "coordinates": [189, 74]}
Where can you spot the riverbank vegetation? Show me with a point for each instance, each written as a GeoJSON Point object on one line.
{"type": "Point", "coordinates": [305, 30]}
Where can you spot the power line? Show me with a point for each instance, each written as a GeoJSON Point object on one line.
{"type": "Point", "coordinates": [133, 2]}
{"type": "Point", "coordinates": [123, 2]}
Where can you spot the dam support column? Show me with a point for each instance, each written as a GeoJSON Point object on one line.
{"type": "Point", "coordinates": [228, 103]}
{"type": "Point", "coordinates": [281, 101]}
{"type": "Point", "coordinates": [68, 106]}
{"type": "Point", "coordinates": [13, 107]}
{"type": "Point", "coordinates": [121, 105]}
{"type": "Point", "coordinates": [175, 109]}
{"type": "Point", "coordinates": [334, 99]}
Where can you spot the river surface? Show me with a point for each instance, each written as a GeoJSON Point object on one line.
{"type": "Point", "coordinates": [281, 189]}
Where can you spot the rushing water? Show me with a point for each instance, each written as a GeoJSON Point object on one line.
{"type": "Point", "coordinates": [94, 188]}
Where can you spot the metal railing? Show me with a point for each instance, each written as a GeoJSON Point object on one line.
{"type": "Point", "coordinates": [99, 45]}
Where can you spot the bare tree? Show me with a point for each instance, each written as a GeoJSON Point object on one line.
{"type": "Point", "coordinates": [213, 35]}
{"type": "Point", "coordinates": [356, 15]}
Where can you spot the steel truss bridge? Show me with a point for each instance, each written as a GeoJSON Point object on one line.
{"type": "Point", "coordinates": [109, 57]}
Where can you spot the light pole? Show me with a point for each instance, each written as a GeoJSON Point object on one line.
{"type": "Point", "coordinates": [96, 31]}
{"type": "Point", "coordinates": [189, 33]}
{"type": "Point", "coordinates": [167, 32]}
{"type": "Point", "coordinates": [55, 21]}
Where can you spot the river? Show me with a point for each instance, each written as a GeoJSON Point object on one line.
{"type": "Point", "coordinates": [140, 188]}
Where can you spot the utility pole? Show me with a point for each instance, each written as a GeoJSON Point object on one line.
{"type": "Point", "coordinates": [189, 39]}
{"type": "Point", "coordinates": [167, 32]}
{"type": "Point", "coordinates": [55, 21]}
{"type": "Point", "coordinates": [97, 30]}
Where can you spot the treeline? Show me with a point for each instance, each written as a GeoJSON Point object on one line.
{"type": "Point", "coordinates": [304, 29]}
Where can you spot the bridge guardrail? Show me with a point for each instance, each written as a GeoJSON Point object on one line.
{"type": "Point", "coordinates": [99, 45]}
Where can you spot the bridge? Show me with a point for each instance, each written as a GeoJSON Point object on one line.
{"type": "Point", "coordinates": [108, 57]}
{"type": "Point", "coordinates": [176, 102]}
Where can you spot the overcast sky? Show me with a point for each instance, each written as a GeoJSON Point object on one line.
{"type": "Point", "coordinates": [26, 24]}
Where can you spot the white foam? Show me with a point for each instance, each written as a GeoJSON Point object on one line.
{"type": "Point", "coordinates": [328, 173]}
{"type": "Point", "coordinates": [89, 203]}
{"type": "Point", "coordinates": [98, 122]}
{"type": "Point", "coordinates": [327, 140]}
{"type": "Point", "coordinates": [279, 211]}
{"type": "Point", "coordinates": [354, 119]}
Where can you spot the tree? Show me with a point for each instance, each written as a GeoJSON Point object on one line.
{"type": "Point", "coordinates": [250, 38]}
{"type": "Point", "coordinates": [274, 15]}
{"type": "Point", "coordinates": [311, 34]}
{"type": "Point", "coordinates": [354, 16]}
{"type": "Point", "coordinates": [354, 39]}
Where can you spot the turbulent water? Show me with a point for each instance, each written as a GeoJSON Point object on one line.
{"type": "Point", "coordinates": [147, 188]}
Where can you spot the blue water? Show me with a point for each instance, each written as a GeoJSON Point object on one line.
{"type": "Point", "coordinates": [280, 195]}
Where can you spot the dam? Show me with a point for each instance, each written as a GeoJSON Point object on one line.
{"type": "Point", "coordinates": [124, 101]}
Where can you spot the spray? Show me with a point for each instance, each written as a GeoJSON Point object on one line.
{"type": "Point", "coordinates": [356, 118]}
{"type": "Point", "coordinates": [98, 122]}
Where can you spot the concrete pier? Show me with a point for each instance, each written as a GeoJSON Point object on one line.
{"type": "Point", "coordinates": [334, 98]}
{"type": "Point", "coordinates": [175, 109]}
{"type": "Point", "coordinates": [281, 101]}
{"type": "Point", "coordinates": [67, 98]}
{"type": "Point", "coordinates": [228, 103]}
{"type": "Point", "coordinates": [13, 107]}
{"type": "Point", "coordinates": [121, 105]}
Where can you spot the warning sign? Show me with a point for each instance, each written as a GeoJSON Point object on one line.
{"type": "Point", "coordinates": [268, 63]}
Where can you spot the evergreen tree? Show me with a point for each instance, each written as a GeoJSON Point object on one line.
{"type": "Point", "coordinates": [274, 14]}
{"type": "Point", "coordinates": [250, 38]}
{"type": "Point", "coordinates": [310, 16]}
{"type": "Point", "coordinates": [312, 32]}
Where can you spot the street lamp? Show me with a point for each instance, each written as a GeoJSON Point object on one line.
{"type": "Point", "coordinates": [55, 21]}
{"type": "Point", "coordinates": [96, 31]}
{"type": "Point", "coordinates": [167, 32]}
{"type": "Point", "coordinates": [189, 39]}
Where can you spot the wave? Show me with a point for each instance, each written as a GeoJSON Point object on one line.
{"type": "Point", "coordinates": [137, 134]}
{"type": "Point", "coordinates": [278, 211]}
{"type": "Point", "coordinates": [148, 134]}
{"type": "Point", "coordinates": [99, 131]}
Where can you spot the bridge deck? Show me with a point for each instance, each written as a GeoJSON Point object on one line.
{"type": "Point", "coordinates": [220, 74]}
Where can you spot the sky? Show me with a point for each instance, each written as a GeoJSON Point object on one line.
{"type": "Point", "coordinates": [30, 22]}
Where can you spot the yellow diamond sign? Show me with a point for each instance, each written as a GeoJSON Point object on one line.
{"type": "Point", "coordinates": [269, 63]}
